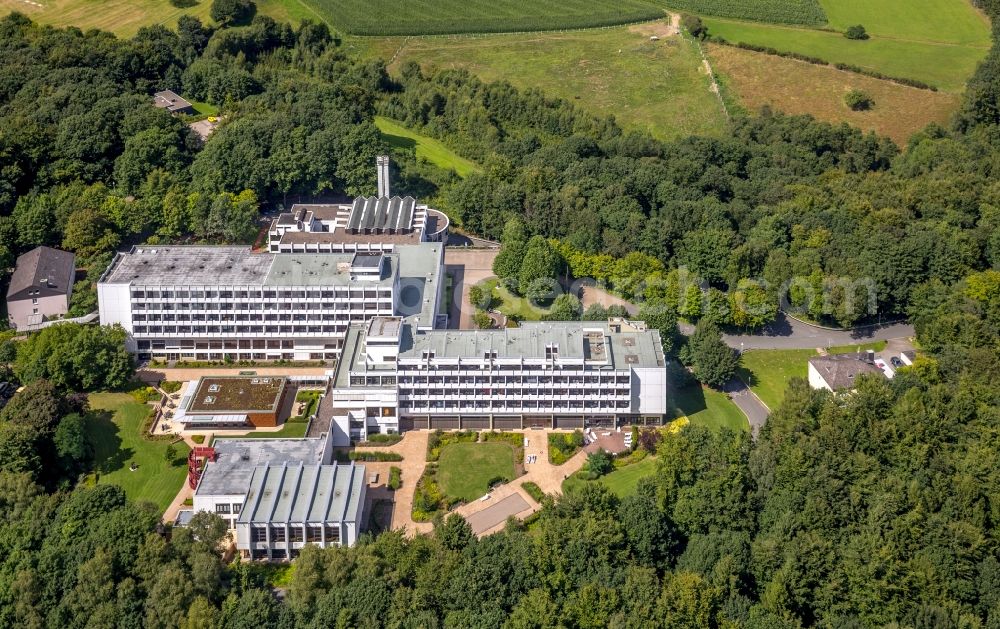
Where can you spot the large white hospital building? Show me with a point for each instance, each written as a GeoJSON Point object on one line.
{"type": "Point", "coordinates": [363, 283]}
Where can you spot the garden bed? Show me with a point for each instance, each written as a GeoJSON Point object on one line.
{"type": "Point", "coordinates": [563, 445]}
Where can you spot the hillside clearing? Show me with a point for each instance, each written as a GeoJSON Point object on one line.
{"type": "Point", "coordinates": [796, 87]}
{"type": "Point", "coordinates": [657, 86]}
{"type": "Point", "coordinates": [424, 147]}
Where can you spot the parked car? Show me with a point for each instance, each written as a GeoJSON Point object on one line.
{"type": "Point", "coordinates": [896, 362]}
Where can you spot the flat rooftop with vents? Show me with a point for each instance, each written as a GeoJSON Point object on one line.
{"type": "Point", "coordinates": [236, 459]}
{"type": "Point", "coordinates": [237, 394]}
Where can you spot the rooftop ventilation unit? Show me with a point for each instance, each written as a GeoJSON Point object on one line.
{"type": "Point", "coordinates": [213, 388]}
{"type": "Point", "coordinates": [209, 399]}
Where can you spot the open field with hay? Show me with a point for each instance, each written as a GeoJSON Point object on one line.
{"type": "Point", "coordinates": [796, 87]}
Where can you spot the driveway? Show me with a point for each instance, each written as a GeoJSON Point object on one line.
{"type": "Point", "coordinates": [755, 410]}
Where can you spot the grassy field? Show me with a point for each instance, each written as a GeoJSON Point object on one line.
{"type": "Point", "coordinates": [424, 147]}
{"type": "Point", "coordinates": [938, 42]}
{"type": "Point", "coordinates": [658, 86]}
{"type": "Point", "coordinates": [114, 428]}
{"type": "Point", "coordinates": [708, 407]}
{"type": "Point", "coordinates": [465, 469]}
{"type": "Point", "coordinates": [796, 87]}
{"type": "Point", "coordinates": [621, 482]}
{"type": "Point", "coordinates": [949, 21]}
{"type": "Point", "coordinates": [423, 17]}
{"type": "Point", "coordinates": [125, 17]}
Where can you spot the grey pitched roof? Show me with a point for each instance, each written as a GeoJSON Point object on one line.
{"type": "Point", "coordinates": [44, 268]}
{"type": "Point", "coordinates": [294, 492]}
{"type": "Point", "coordinates": [841, 371]}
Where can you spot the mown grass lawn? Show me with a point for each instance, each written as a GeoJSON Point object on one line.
{"type": "Point", "coordinates": [622, 482]}
{"type": "Point", "coordinates": [425, 147]}
{"type": "Point", "coordinates": [877, 346]}
{"type": "Point", "coordinates": [465, 469]}
{"type": "Point", "coordinates": [707, 407]}
{"type": "Point", "coordinates": [510, 304]}
{"type": "Point", "coordinates": [291, 430]}
{"type": "Point", "coordinates": [768, 372]}
{"type": "Point", "coordinates": [114, 428]}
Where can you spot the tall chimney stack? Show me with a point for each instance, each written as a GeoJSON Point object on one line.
{"type": "Point", "coordinates": [382, 161]}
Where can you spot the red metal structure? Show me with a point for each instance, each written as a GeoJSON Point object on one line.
{"type": "Point", "coordinates": [196, 463]}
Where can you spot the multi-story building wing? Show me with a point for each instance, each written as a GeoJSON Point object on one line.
{"type": "Point", "coordinates": [291, 505]}
{"type": "Point", "coordinates": [548, 374]}
{"type": "Point", "coordinates": [214, 303]}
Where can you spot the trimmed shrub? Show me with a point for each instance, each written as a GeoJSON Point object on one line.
{"type": "Point", "coordinates": [381, 440]}
{"type": "Point", "coordinates": [497, 480]}
{"type": "Point", "coordinates": [170, 386]}
{"type": "Point", "coordinates": [395, 478]}
{"type": "Point", "coordinates": [534, 491]}
{"type": "Point", "coordinates": [199, 439]}
{"type": "Point", "coordinates": [374, 457]}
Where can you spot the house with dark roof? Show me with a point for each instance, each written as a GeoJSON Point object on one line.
{"type": "Point", "coordinates": [840, 372]}
{"type": "Point", "coordinates": [172, 102]}
{"type": "Point", "coordinates": [40, 287]}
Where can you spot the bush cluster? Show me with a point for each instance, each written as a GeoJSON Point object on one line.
{"type": "Point", "coordinates": [439, 439]}
{"type": "Point", "coordinates": [514, 439]}
{"type": "Point", "coordinates": [395, 478]}
{"type": "Point", "coordinates": [563, 445]}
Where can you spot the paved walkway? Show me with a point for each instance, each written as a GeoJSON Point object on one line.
{"type": "Point", "coordinates": [547, 476]}
{"type": "Point", "coordinates": [185, 492]}
{"type": "Point", "coordinates": [467, 268]}
{"type": "Point", "coordinates": [413, 449]}
{"type": "Point", "coordinates": [184, 374]}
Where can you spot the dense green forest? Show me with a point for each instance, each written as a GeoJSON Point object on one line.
{"type": "Point", "coordinates": [878, 509]}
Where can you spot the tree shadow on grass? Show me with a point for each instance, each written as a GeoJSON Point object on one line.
{"type": "Point", "coordinates": [109, 455]}
{"type": "Point", "coordinates": [748, 377]}
{"type": "Point", "coordinates": [688, 400]}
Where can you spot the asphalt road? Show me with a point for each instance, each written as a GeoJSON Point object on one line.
{"type": "Point", "coordinates": [787, 333]}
